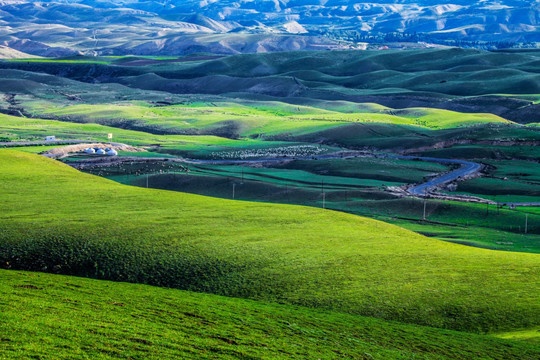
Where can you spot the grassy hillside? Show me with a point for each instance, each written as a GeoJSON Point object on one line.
{"type": "Point", "coordinates": [463, 80]}
{"type": "Point", "coordinates": [235, 120]}
{"type": "Point", "coordinates": [357, 187]}
{"type": "Point", "coordinates": [52, 316]}
{"type": "Point", "coordinates": [57, 219]}
{"type": "Point", "coordinates": [451, 71]}
{"type": "Point", "coordinates": [14, 128]}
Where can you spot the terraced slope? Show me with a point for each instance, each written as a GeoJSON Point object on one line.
{"type": "Point", "coordinates": [57, 219]}
{"type": "Point", "coordinates": [51, 316]}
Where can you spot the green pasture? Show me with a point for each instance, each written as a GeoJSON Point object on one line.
{"type": "Point", "coordinates": [321, 283]}
{"type": "Point", "coordinates": [506, 181]}
{"type": "Point", "coordinates": [378, 168]}
{"type": "Point", "coordinates": [354, 186]}
{"type": "Point", "coordinates": [229, 174]}
{"type": "Point", "coordinates": [237, 120]}
{"type": "Point", "coordinates": [14, 128]}
{"type": "Point", "coordinates": [87, 318]}
{"type": "Point", "coordinates": [454, 72]}
{"type": "Point", "coordinates": [525, 171]}
{"type": "Point", "coordinates": [502, 190]}
{"type": "Point", "coordinates": [303, 256]}
{"type": "Point", "coordinates": [486, 152]}
{"type": "Point", "coordinates": [37, 149]}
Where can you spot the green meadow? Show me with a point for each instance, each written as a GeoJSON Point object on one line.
{"type": "Point", "coordinates": [300, 257]}
{"type": "Point", "coordinates": [357, 190]}
{"type": "Point", "coordinates": [304, 256]}
{"type": "Point", "coordinates": [237, 120]}
{"type": "Point", "coordinates": [92, 319]}
{"type": "Point", "coordinates": [345, 181]}
{"type": "Point", "coordinates": [14, 128]}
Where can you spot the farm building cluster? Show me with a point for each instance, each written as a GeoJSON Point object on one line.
{"type": "Point", "coordinates": [100, 151]}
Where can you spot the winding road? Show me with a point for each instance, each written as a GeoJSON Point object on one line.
{"type": "Point", "coordinates": [468, 168]}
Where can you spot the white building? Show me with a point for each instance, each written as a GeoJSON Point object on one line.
{"type": "Point", "coordinates": [50, 138]}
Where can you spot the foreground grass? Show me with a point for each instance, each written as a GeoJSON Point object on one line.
{"type": "Point", "coordinates": [57, 219]}
{"type": "Point", "coordinates": [51, 316]}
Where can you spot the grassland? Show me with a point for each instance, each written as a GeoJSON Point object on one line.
{"type": "Point", "coordinates": [57, 220]}
{"type": "Point", "coordinates": [300, 182]}
{"type": "Point", "coordinates": [353, 190]}
{"type": "Point", "coordinates": [270, 120]}
{"type": "Point", "coordinates": [487, 153]}
{"type": "Point", "coordinates": [467, 81]}
{"type": "Point", "coordinates": [93, 319]}
{"type": "Point", "coordinates": [13, 128]}
{"type": "Point", "coordinates": [304, 256]}
{"type": "Point", "coordinates": [508, 181]}
{"type": "Point", "coordinates": [354, 175]}
{"type": "Point", "coordinates": [448, 71]}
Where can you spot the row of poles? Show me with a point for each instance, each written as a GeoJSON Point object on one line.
{"type": "Point", "coordinates": [323, 192]}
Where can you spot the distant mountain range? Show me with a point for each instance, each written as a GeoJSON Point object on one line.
{"type": "Point", "coordinates": [175, 27]}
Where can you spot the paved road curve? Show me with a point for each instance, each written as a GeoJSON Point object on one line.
{"type": "Point", "coordinates": [467, 168]}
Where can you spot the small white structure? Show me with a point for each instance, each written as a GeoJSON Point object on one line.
{"type": "Point", "coordinates": [90, 151]}
{"type": "Point", "coordinates": [112, 152]}
{"type": "Point", "coordinates": [100, 152]}
{"type": "Point", "coordinates": [50, 138]}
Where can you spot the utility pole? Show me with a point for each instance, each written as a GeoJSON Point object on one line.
{"type": "Point", "coordinates": [233, 188]}
{"type": "Point", "coordinates": [425, 203]}
{"type": "Point", "coordinates": [526, 222]}
{"type": "Point", "coordinates": [147, 181]}
{"type": "Point", "coordinates": [324, 200]}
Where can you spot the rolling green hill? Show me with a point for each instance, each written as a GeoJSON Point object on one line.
{"type": "Point", "coordinates": [57, 219]}
{"type": "Point", "coordinates": [236, 120]}
{"type": "Point", "coordinates": [339, 86]}
{"type": "Point", "coordinates": [52, 316]}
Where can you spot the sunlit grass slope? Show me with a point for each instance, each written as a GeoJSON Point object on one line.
{"type": "Point", "coordinates": [233, 119]}
{"type": "Point", "coordinates": [56, 219]}
{"type": "Point", "coordinates": [13, 128]}
{"type": "Point", "coordinates": [52, 316]}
